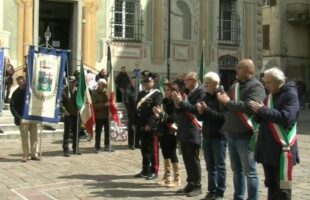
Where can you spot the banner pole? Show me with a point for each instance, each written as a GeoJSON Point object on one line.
{"type": "Point", "coordinates": [40, 145]}
{"type": "Point", "coordinates": [77, 134]}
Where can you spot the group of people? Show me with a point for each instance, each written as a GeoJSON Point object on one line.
{"type": "Point", "coordinates": [255, 126]}
{"type": "Point", "coordinates": [255, 120]}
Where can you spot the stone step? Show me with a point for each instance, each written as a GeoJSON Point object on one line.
{"type": "Point", "coordinates": [15, 134]}
{"type": "Point", "coordinates": [7, 127]}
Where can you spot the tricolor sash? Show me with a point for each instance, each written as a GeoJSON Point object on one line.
{"type": "Point", "coordinates": [285, 138]}
{"type": "Point", "coordinates": [245, 119]}
{"type": "Point", "coordinates": [191, 117]}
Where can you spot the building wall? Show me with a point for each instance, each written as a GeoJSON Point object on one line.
{"type": "Point", "coordinates": [289, 40]}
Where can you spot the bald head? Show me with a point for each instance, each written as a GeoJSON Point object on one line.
{"type": "Point", "coordinates": [245, 69]}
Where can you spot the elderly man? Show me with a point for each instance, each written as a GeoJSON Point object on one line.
{"type": "Point", "coordinates": [276, 145]}
{"type": "Point", "coordinates": [214, 140]}
{"type": "Point", "coordinates": [189, 131]}
{"type": "Point", "coordinates": [101, 109]}
{"type": "Point", "coordinates": [17, 106]}
{"type": "Point", "coordinates": [239, 128]}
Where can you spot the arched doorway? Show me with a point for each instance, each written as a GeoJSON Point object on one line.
{"type": "Point", "coordinates": [227, 65]}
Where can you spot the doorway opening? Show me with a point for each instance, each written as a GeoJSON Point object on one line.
{"type": "Point", "coordinates": [58, 16]}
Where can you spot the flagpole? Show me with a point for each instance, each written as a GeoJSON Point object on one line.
{"type": "Point", "coordinates": [77, 134]}
{"type": "Point", "coordinates": [40, 145]}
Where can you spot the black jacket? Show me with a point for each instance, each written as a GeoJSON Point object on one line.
{"type": "Point", "coordinates": [212, 117]}
{"type": "Point", "coordinates": [249, 90]}
{"type": "Point", "coordinates": [145, 111]}
{"type": "Point", "coordinates": [284, 113]}
{"type": "Point", "coordinates": [17, 104]}
{"type": "Point", "coordinates": [187, 131]}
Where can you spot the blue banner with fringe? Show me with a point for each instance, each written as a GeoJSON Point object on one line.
{"type": "Point", "coordinates": [44, 81]}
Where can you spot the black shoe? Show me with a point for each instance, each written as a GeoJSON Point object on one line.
{"type": "Point", "coordinates": [36, 158]}
{"type": "Point", "coordinates": [108, 149]}
{"type": "Point", "coordinates": [77, 153]}
{"type": "Point", "coordinates": [151, 177]}
{"type": "Point", "coordinates": [196, 190]}
{"type": "Point", "coordinates": [1, 131]}
{"type": "Point", "coordinates": [132, 148]}
{"type": "Point", "coordinates": [141, 175]}
{"type": "Point", "coordinates": [185, 190]}
{"type": "Point", "coordinates": [66, 154]}
{"type": "Point", "coordinates": [209, 196]}
{"type": "Point", "coordinates": [97, 151]}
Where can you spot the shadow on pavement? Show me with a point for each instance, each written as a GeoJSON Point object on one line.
{"type": "Point", "coordinates": [10, 160]}
{"type": "Point", "coordinates": [118, 186]}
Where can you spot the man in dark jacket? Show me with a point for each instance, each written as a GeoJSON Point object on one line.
{"type": "Point", "coordinates": [280, 112]}
{"type": "Point", "coordinates": [69, 107]}
{"type": "Point", "coordinates": [189, 131]}
{"type": "Point", "coordinates": [239, 128]}
{"type": "Point", "coordinates": [17, 106]}
{"type": "Point", "coordinates": [122, 83]}
{"type": "Point", "coordinates": [147, 100]}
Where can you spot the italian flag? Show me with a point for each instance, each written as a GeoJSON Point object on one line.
{"type": "Point", "coordinates": [111, 90]}
{"type": "Point", "coordinates": [84, 104]}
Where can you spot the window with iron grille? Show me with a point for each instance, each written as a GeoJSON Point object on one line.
{"type": "Point", "coordinates": [229, 23]}
{"type": "Point", "coordinates": [126, 23]}
{"type": "Point", "coordinates": [268, 3]}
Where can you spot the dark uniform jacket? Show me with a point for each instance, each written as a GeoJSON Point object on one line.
{"type": "Point", "coordinates": [99, 99]}
{"type": "Point", "coordinates": [213, 118]}
{"type": "Point", "coordinates": [249, 90]}
{"type": "Point", "coordinates": [187, 131]}
{"type": "Point", "coordinates": [285, 113]}
{"type": "Point", "coordinates": [145, 111]}
{"type": "Point", "coordinates": [17, 104]}
{"type": "Point", "coordinates": [68, 103]}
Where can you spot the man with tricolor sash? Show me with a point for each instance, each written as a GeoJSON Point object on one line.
{"type": "Point", "coordinates": [189, 132]}
{"type": "Point", "coordinates": [239, 128]}
{"type": "Point", "coordinates": [276, 146]}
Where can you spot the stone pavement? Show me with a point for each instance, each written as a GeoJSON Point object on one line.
{"type": "Point", "coordinates": [110, 175]}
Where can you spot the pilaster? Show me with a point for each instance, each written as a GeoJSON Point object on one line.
{"type": "Point", "coordinates": [158, 33]}
{"type": "Point", "coordinates": [89, 36]}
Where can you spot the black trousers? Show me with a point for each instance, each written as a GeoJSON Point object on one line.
{"type": "Point", "coordinates": [149, 164]}
{"type": "Point", "coordinates": [273, 185]}
{"type": "Point", "coordinates": [190, 153]}
{"type": "Point", "coordinates": [70, 123]}
{"type": "Point", "coordinates": [168, 144]}
{"type": "Point", "coordinates": [131, 123]}
{"type": "Point", "coordinates": [102, 123]}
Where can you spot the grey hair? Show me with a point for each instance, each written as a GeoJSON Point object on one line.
{"type": "Point", "coordinates": [214, 77]}
{"type": "Point", "coordinates": [276, 74]}
{"type": "Point", "coordinates": [193, 75]}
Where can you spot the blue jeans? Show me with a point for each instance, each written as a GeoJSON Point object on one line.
{"type": "Point", "coordinates": [215, 154]}
{"type": "Point", "coordinates": [243, 165]}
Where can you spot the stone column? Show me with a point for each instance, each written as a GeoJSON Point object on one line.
{"type": "Point", "coordinates": [25, 28]}
{"type": "Point", "coordinates": [158, 33]}
{"type": "Point", "coordinates": [89, 36]}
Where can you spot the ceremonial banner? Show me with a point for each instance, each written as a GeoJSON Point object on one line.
{"type": "Point", "coordinates": [44, 80]}
{"type": "Point", "coordinates": [1, 78]}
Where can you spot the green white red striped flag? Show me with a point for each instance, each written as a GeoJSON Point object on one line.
{"type": "Point", "coordinates": [84, 104]}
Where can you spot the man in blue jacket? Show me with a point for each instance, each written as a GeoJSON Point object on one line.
{"type": "Point", "coordinates": [276, 146]}
{"type": "Point", "coordinates": [239, 128]}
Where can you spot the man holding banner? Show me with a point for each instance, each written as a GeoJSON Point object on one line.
{"type": "Point", "coordinates": [17, 107]}
{"type": "Point", "coordinates": [239, 128]}
{"type": "Point", "coordinates": [276, 146]}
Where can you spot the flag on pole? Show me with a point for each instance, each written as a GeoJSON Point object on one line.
{"type": "Point", "coordinates": [111, 90]}
{"type": "Point", "coordinates": [202, 68]}
{"type": "Point", "coordinates": [84, 104]}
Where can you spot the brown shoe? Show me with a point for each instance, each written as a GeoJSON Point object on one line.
{"type": "Point", "coordinates": [24, 159]}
